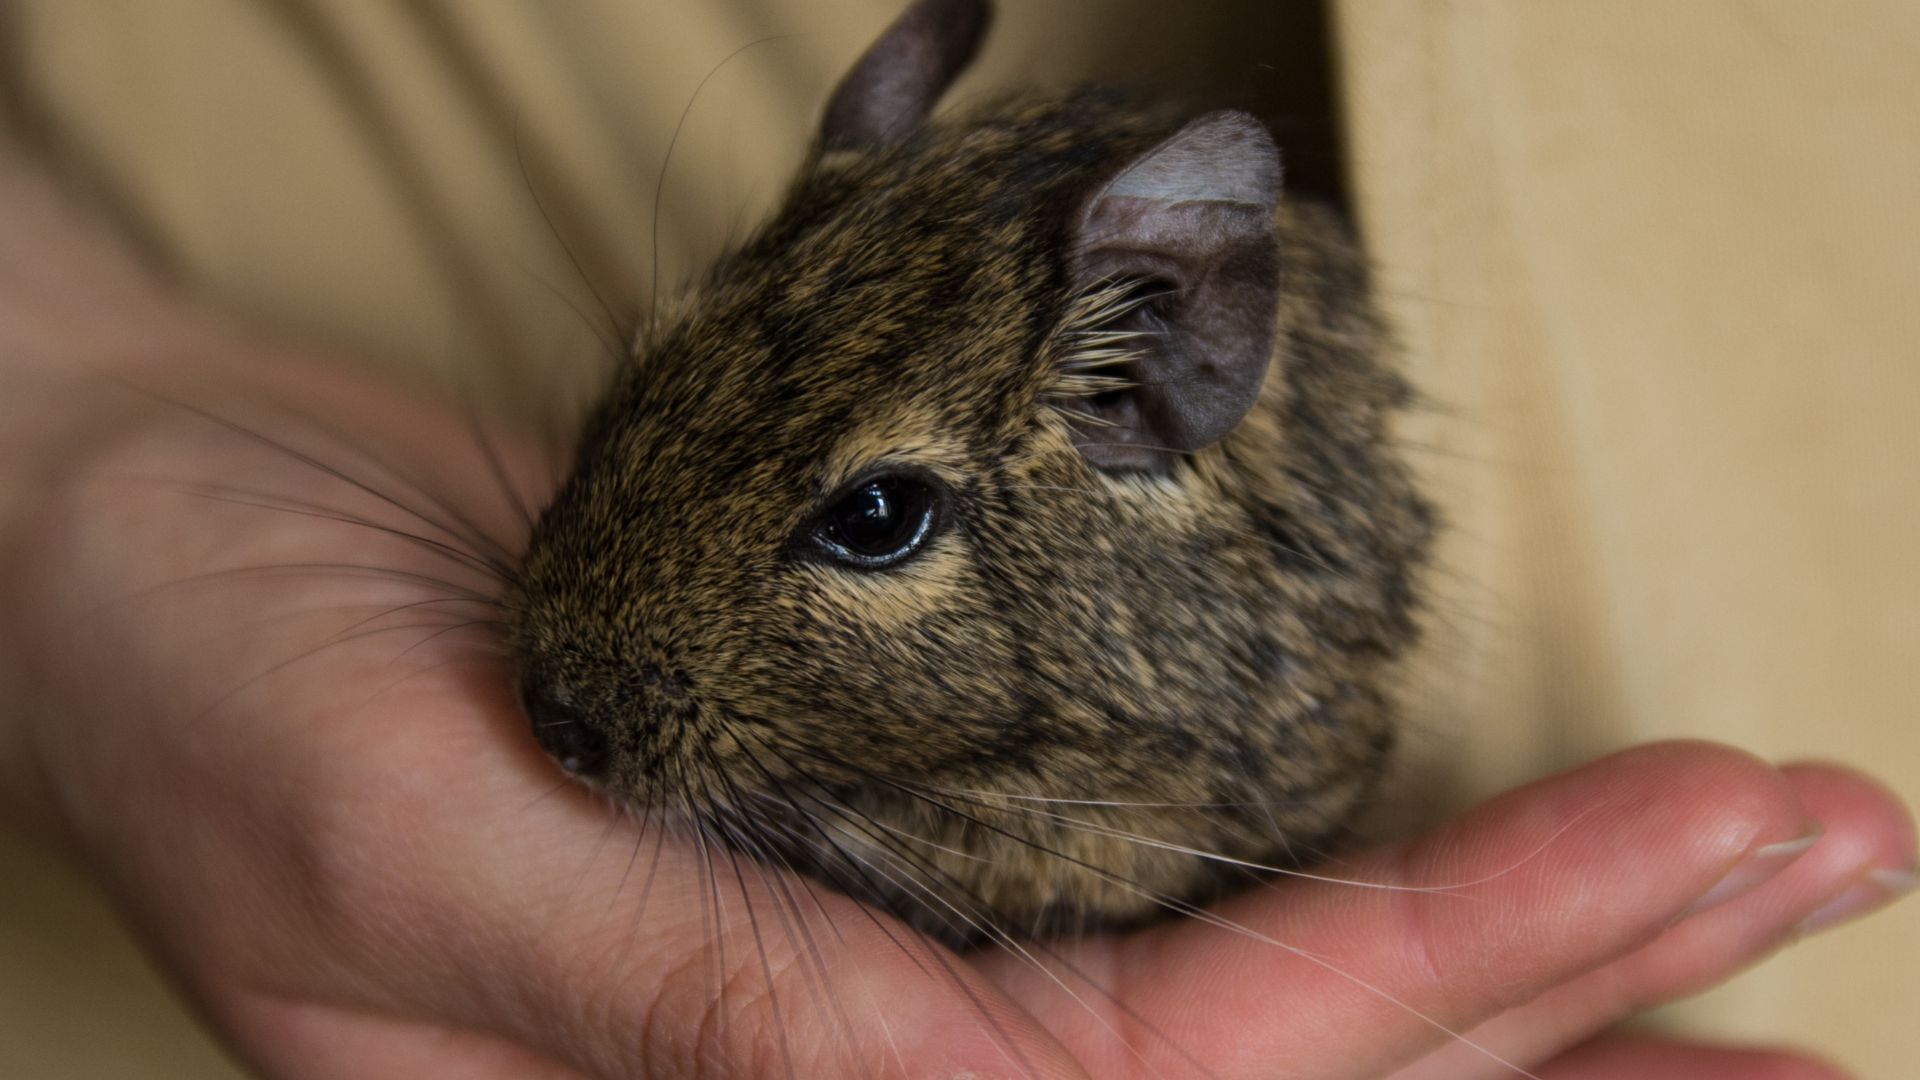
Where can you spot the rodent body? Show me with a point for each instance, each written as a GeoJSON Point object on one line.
{"type": "Point", "coordinates": [1135, 407]}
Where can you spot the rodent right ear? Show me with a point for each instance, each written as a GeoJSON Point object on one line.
{"type": "Point", "coordinates": [1177, 270]}
{"type": "Point", "coordinates": [900, 77]}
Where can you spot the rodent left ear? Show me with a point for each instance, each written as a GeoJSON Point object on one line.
{"type": "Point", "coordinates": [1181, 245]}
{"type": "Point", "coordinates": [900, 77]}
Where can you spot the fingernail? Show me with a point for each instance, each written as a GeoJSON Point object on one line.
{"type": "Point", "coordinates": [1875, 888]}
{"type": "Point", "coordinates": [1759, 864]}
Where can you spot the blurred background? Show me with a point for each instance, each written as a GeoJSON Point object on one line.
{"type": "Point", "coordinates": [1652, 263]}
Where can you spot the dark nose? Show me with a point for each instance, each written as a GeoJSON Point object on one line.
{"type": "Point", "coordinates": [563, 731]}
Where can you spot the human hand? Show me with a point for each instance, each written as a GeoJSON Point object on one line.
{"type": "Point", "coordinates": [284, 743]}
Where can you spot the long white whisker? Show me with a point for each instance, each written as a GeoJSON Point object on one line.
{"type": "Point", "coordinates": [1183, 907]}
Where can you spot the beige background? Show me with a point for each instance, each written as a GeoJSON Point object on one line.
{"type": "Point", "coordinates": [1654, 262]}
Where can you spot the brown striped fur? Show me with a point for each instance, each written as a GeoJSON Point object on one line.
{"type": "Point", "coordinates": [1191, 655]}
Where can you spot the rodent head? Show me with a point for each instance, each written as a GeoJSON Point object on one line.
{"type": "Point", "coordinates": [968, 488]}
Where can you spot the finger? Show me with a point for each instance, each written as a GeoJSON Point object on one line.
{"type": "Point", "coordinates": [1643, 1058]}
{"type": "Point", "coordinates": [1547, 882]}
{"type": "Point", "coordinates": [1883, 847]}
{"type": "Point", "coordinates": [304, 1041]}
{"type": "Point", "coordinates": [1869, 840]}
{"type": "Point", "coordinates": [520, 906]}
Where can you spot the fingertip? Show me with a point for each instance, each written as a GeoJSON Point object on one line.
{"type": "Point", "coordinates": [1659, 1058]}
{"type": "Point", "coordinates": [1857, 809]}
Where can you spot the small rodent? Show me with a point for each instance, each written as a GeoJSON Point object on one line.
{"type": "Point", "coordinates": [1007, 533]}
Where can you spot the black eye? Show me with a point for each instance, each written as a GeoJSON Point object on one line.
{"type": "Point", "coordinates": [878, 522]}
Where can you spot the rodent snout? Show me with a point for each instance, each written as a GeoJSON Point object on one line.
{"type": "Point", "coordinates": [562, 731]}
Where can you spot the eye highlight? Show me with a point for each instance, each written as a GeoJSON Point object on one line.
{"type": "Point", "coordinates": [878, 521]}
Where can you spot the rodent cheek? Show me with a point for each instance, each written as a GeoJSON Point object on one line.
{"type": "Point", "coordinates": [931, 584]}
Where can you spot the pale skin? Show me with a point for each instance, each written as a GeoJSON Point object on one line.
{"type": "Point", "coordinates": [360, 864]}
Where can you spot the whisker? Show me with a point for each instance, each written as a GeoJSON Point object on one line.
{"type": "Point", "coordinates": [1097, 829]}
{"type": "Point", "coordinates": [614, 353]}
{"type": "Point", "coordinates": [752, 826]}
{"type": "Point", "coordinates": [322, 569]}
{"type": "Point", "coordinates": [533, 191]}
{"type": "Point", "coordinates": [990, 801]}
{"type": "Point", "coordinates": [496, 465]}
{"type": "Point", "coordinates": [760, 945]}
{"type": "Point", "coordinates": [1002, 1040]}
{"type": "Point", "coordinates": [398, 608]}
{"type": "Point", "coordinates": [442, 632]}
{"type": "Point", "coordinates": [984, 925]}
{"type": "Point", "coordinates": [1001, 938]}
{"type": "Point", "coordinates": [304, 656]}
{"type": "Point", "coordinates": [559, 786]}
{"type": "Point", "coordinates": [666, 162]}
{"type": "Point", "coordinates": [1186, 908]}
{"type": "Point", "coordinates": [501, 560]}
{"type": "Point", "coordinates": [240, 497]}
{"type": "Point", "coordinates": [648, 818]}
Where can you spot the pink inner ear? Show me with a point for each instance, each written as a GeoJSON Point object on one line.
{"type": "Point", "coordinates": [1221, 157]}
{"type": "Point", "coordinates": [1195, 212]}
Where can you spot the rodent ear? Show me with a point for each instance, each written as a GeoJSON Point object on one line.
{"type": "Point", "coordinates": [1179, 252]}
{"type": "Point", "coordinates": [900, 77]}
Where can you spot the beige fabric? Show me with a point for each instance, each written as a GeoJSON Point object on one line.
{"type": "Point", "coordinates": [1658, 260]}
{"type": "Point", "coordinates": [1652, 260]}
